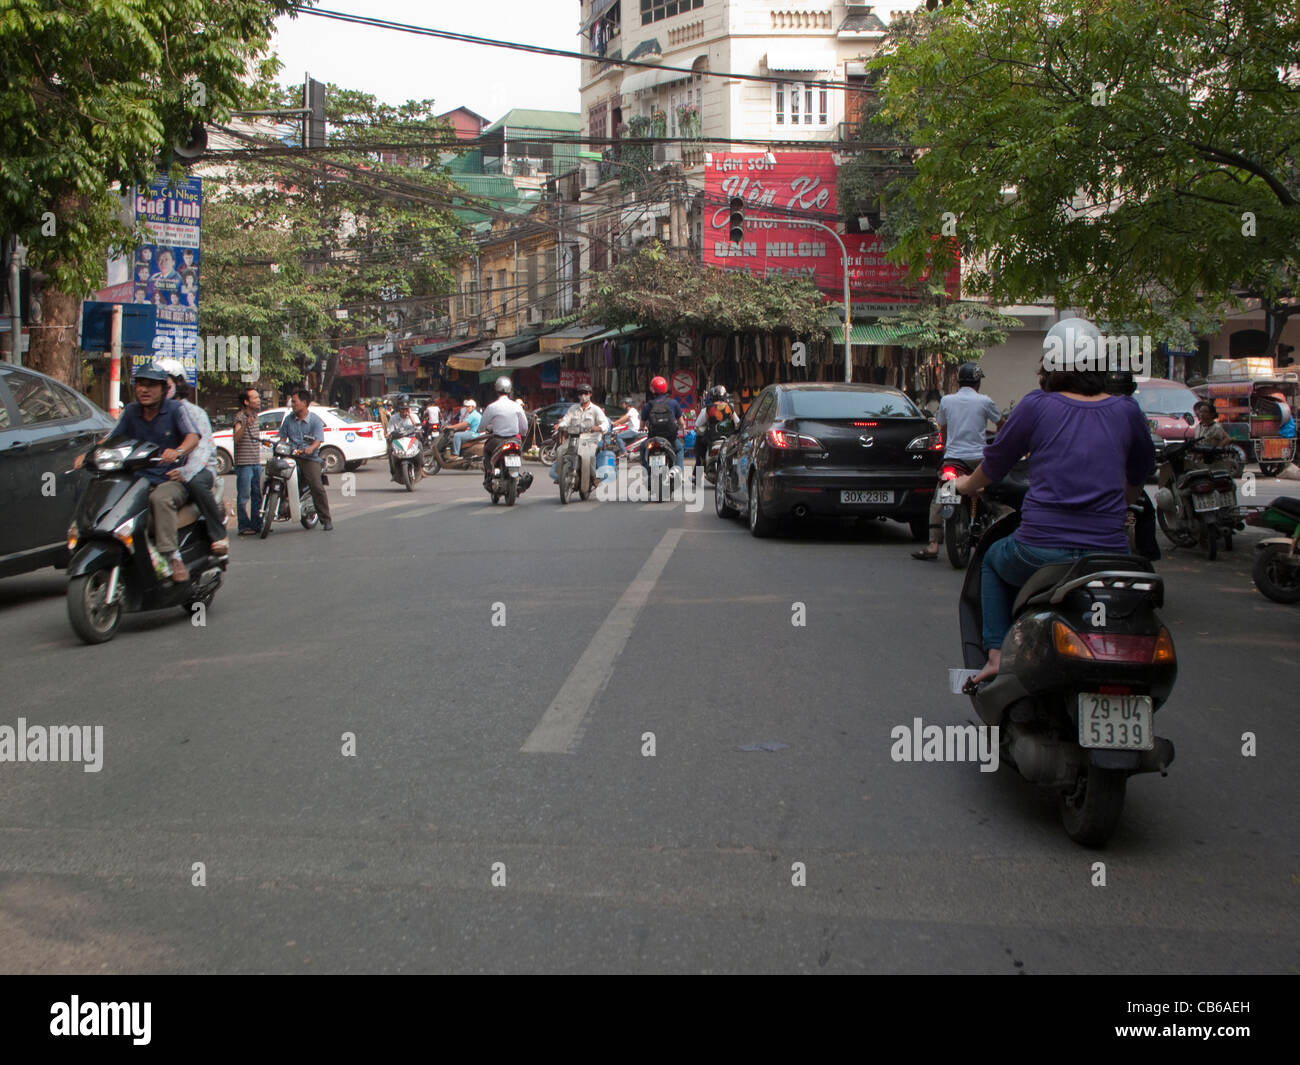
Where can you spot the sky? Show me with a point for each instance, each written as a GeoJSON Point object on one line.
{"type": "Point", "coordinates": [397, 67]}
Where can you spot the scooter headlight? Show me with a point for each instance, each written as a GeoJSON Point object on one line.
{"type": "Point", "coordinates": [110, 458]}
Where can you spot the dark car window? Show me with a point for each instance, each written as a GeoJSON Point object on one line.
{"type": "Point", "coordinates": [820, 404]}
{"type": "Point", "coordinates": [270, 422]}
{"type": "Point", "coordinates": [39, 401]}
{"type": "Point", "coordinates": [766, 404]}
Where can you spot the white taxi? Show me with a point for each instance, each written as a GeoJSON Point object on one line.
{"type": "Point", "coordinates": [348, 442]}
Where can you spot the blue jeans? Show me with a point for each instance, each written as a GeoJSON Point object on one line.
{"type": "Point", "coordinates": [249, 497]}
{"type": "Point", "coordinates": [1008, 564]}
{"type": "Point", "coordinates": [459, 438]}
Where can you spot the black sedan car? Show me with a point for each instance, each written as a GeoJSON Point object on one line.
{"type": "Point", "coordinates": [835, 450]}
{"type": "Point", "coordinates": [44, 426]}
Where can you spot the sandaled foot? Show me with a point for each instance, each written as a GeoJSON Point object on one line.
{"type": "Point", "coordinates": [925, 556]}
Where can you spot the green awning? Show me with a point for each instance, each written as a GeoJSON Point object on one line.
{"type": "Point", "coordinates": [878, 334]}
{"type": "Point", "coordinates": [622, 332]}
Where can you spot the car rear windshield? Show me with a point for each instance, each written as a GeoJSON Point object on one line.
{"type": "Point", "coordinates": [823, 405]}
{"type": "Point", "coordinates": [1165, 400]}
{"type": "Point", "coordinates": [344, 416]}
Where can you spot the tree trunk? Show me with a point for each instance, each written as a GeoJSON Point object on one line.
{"type": "Point", "coordinates": [53, 348]}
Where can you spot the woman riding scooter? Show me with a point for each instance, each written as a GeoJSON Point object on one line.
{"type": "Point", "coordinates": [1090, 453]}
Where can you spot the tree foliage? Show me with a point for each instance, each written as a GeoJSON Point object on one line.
{"type": "Point", "coordinates": [343, 228]}
{"type": "Point", "coordinates": [1136, 159]}
{"type": "Point", "coordinates": [954, 330]}
{"type": "Point", "coordinates": [672, 296]}
{"type": "Point", "coordinates": [92, 92]}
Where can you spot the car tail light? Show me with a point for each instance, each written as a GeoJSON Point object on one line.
{"type": "Point", "coordinates": [929, 442]}
{"type": "Point", "coordinates": [365, 432]}
{"type": "Point", "coordinates": [785, 440]}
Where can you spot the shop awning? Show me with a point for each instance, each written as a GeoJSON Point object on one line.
{"type": "Point", "coordinates": [434, 352]}
{"type": "Point", "coordinates": [622, 333]}
{"type": "Point", "coordinates": [878, 334]}
{"type": "Point", "coordinates": [565, 339]}
{"type": "Point", "coordinates": [800, 57]}
{"type": "Point", "coordinates": [470, 360]}
{"type": "Point", "coordinates": [490, 373]}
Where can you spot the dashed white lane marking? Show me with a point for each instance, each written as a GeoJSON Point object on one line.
{"type": "Point", "coordinates": [561, 726]}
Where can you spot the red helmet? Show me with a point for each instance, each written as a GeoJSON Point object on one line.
{"type": "Point", "coordinates": [658, 386]}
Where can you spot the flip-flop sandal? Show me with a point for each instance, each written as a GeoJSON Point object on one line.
{"type": "Point", "coordinates": [925, 556]}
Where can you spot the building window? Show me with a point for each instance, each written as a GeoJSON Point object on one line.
{"type": "Point", "coordinates": [654, 10]}
{"type": "Point", "coordinates": [596, 127]}
{"type": "Point", "coordinates": [796, 104]}
{"type": "Point", "coordinates": [604, 30]}
{"type": "Point", "coordinates": [487, 293]}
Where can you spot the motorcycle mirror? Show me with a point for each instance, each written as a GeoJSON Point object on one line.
{"type": "Point", "coordinates": [1189, 417]}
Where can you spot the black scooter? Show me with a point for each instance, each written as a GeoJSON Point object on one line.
{"type": "Point", "coordinates": [508, 480]}
{"type": "Point", "coordinates": [111, 570]}
{"type": "Point", "coordinates": [1085, 667]}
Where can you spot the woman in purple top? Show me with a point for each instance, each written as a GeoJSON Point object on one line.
{"type": "Point", "coordinates": [1089, 455]}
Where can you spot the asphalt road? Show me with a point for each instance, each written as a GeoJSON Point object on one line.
{"type": "Point", "coordinates": [501, 811]}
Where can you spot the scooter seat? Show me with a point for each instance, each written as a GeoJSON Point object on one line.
{"type": "Point", "coordinates": [1288, 505]}
{"type": "Point", "coordinates": [1041, 582]}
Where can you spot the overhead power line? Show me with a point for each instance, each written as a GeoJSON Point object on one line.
{"type": "Point", "coordinates": [562, 53]}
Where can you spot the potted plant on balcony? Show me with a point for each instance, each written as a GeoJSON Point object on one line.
{"type": "Point", "coordinates": [688, 120]}
{"type": "Point", "coordinates": [658, 122]}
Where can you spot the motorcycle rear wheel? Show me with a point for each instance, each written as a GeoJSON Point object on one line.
{"type": "Point", "coordinates": [1091, 814]}
{"type": "Point", "coordinates": [432, 461]}
{"type": "Point", "coordinates": [1276, 574]}
{"type": "Point", "coordinates": [512, 491]}
{"type": "Point", "coordinates": [956, 535]}
{"type": "Point", "coordinates": [91, 617]}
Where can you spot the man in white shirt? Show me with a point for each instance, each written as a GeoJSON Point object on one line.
{"type": "Point", "coordinates": [630, 424]}
{"type": "Point", "coordinates": [963, 417]}
{"type": "Point", "coordinates": [503, 420]}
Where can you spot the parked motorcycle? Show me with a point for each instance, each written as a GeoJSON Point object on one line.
{"type": "Point", "coordinates": [406, 457]}
{"type": "Point", "coordinates": [1276, 571]}
{"type": "Point", "coordinates": [1085, 667]}
{"type": "Point", "coordinates": [508, 479]}
{"type": "Point", "coordinates": [114, 567]}
{"type": "Point", "coordinates": [282, 497]}
{"type": "Point", "coordinates": [1198, 505]}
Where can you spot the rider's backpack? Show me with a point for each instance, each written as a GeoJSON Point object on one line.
{"type": "Point", "coordinates": [660, 420]}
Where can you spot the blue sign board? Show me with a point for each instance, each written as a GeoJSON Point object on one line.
{"type": "Point", "coordinates": [138, 327]}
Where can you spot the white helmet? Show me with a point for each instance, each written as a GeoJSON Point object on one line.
{"type": "Point", "coordinates": [173, 367]}
{"type": "Point", "coordinates": [1072, 344]}
{"type": "Point", "coordinates": [470, 403]}
{"type": "Point", "coordinates": [503, 385]}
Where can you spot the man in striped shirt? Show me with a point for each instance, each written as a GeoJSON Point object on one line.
{"type": "Point", "coordinates": [248, 463]}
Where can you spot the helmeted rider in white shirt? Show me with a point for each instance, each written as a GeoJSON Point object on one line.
{"type": "Point", "coordinates": [503, 419]}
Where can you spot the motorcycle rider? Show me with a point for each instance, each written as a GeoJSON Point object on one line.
{"type": "Point", "coordinates": [306, 433]}
{"type": "Point", "coordinates": [584, 412]}
{"type": "Point", "coordinates": [159, 420]}
{"type": "Point", "coordinates": [465, 429]}
{"type": "Point", "coordinates": [717, 418]}
{"type": "Point", "coordinates": [1089, 457]}
{"type": "Point", "coordinates": [502, 420]}
{"type": "Point", "coordinates": [630, 423]}
{"type": "Point", "coordinates": [399, 422]}
{"type": "Point", "coordinates": [199, 474]}
{"type": "Point", "coordinates": [661, 415]}
{"type": "Point", "coordinates": [963, 417]}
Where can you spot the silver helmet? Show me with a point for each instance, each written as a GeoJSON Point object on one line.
{"type": "Point", "coordinates": [504, 386]}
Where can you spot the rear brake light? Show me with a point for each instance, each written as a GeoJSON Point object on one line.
{"type": "Point", "coordinates": [865, 425]}
{"type": "Point", "coordinates": [788, 441]}
{"type": "Point", "coordinates": [1108, 647]}
{"type": "Point", "coordinates": [1201, 487]}
{"type": "Point", "coordinates": [949, 473]}
{"type": "Point", "coordinates": [512, 446]}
